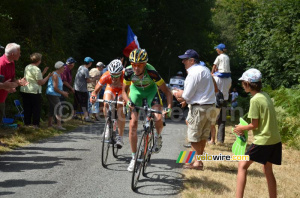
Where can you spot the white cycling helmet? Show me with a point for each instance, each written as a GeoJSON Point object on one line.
{"type": "Point", "coordinates": [115, 66]}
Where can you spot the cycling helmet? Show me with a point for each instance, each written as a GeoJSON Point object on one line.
{"type": "Point", "coordinates": [115, 66]}
{"type": "Point", "coordinates": [138, 56]}
{"type": "Point", "coordinates": [179, 73]}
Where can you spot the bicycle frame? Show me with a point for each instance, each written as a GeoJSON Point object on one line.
{"type": "Point", "coordinates": [145, 145]}
{"type": "Point", "coordinates": [109, 124]}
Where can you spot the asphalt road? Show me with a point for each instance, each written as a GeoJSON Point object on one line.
{"type": "Point", "coordinates": [69, 166]}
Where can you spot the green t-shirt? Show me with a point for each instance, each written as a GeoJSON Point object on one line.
{"type": "Point", "coordinates": [32, 74]}
{"type": "Point", "coordinates": [262, 108]}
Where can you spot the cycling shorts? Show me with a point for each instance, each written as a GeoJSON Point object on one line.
{"type": "Point", "coordinates": [113, 91]}
{"type": "Point", "coordinates": [151, 94]}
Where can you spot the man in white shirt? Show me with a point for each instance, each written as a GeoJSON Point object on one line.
{"type": "Point", "coordinates": [199, 93]}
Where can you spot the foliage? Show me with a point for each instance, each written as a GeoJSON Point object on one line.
{"type": "Point", "coordinates": [272, 43]}
{"type": "Point", "coordinates": [62, 28]}
{"type": "Point", "coordinates": [287, 102]}
{"type": "Point", "coordinates": [264, 35]}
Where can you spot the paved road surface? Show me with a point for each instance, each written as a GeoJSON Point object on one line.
{"type": "Point", "coordinates": [69, 166]}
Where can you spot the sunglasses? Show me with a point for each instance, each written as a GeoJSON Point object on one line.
{"type": "Point", "coordinates": [138, 64]}
{"type": "Point", "coordinates": [115, 76]}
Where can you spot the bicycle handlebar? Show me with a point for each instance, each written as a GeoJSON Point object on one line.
{"type": "Point", "coordinates": [145, 108]}
{"type": "Point", "coordinates": [148, 109]}
{"type": "Point", "coordinates": [110, 101]}
{"type": "Point", "coordinates": [113, 102]}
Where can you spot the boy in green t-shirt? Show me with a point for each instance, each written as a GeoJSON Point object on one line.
{"type": "Point", "coordinates": [266, 148]}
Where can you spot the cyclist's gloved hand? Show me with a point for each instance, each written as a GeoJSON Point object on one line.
{"type": "Point", "coordinates": [130, 104]}
{"type": "Point", "coordinates": [168, 112]}
{"type": "Point", "coordinates": [93, 99]}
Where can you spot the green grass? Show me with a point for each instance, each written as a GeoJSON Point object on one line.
{"type": "Point", "coordinates": [21, 136]}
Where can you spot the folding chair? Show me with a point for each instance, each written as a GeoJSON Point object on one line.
{"type": "Point", "coordinates": [20, 109]}
{"type": "Point", "coordinates": [9, 122]}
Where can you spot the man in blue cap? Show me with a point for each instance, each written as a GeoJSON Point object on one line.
{"type": "Point", "coordinates": [80, 85]}
{"type": "Point", "coordinates": [66, 76]}
{"type": "Point", "coordinates": [199, 94]}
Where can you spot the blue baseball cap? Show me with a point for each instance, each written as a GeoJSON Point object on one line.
{"type": "Point", "coordinates": [70, 60]}
{"type": "Point", "coordinates": [190, 53]}
{"type": "Point", "coordinates": [88, 59]}
{"type": "Point", "coordinates": [221, 46]}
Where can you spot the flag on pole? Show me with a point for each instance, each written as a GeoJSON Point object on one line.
{"type": "Point", "coordinates": [132, 42]}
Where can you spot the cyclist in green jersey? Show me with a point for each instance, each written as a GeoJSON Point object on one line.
{"type": "Point", "coordinates": [144, 81]}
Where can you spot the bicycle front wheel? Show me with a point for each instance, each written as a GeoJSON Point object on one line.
{"type": "Point", "coordinates": [139, 162]}
{"type": "Point", "coordinates": [115, 148]}
{"type": "Point", "coordinates": [106, 142]}
{"type": "Point", "coordinates": [149, 139]}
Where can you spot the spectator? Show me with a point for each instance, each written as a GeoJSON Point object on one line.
{"type": "Point", "coordinates": [53, 93]}
{"type": "Point", "coordinates": [222, 75]}
{"type": "Point", "coordinates": [7, 69]}
{"type": "Point", "coordinates": [234, 95]}
{"type": "Point", "coordinates": [267, 147]}
{"type": "Point", "coordinates": [199, 93]}
{"type": "Point", "coordinates": [104, 87]}
{"type": "Point", "coordinates": [66, 76]}
{"type": "Point", "coordinates": [81, 93]}
{"type": "Point", "coordinates": [94, 73]}
{"type": "Point", "coordinates": [31, 93]}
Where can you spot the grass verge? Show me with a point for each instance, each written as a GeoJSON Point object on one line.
{"type": "Point", "coordinates": [219, 177]}
{"type": "Point", "coordinates": [21, 136]}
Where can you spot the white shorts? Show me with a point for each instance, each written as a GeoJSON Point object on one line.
{"type": "Point", "coordinates": [224, 85]}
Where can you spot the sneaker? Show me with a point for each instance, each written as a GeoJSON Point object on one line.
{"type": "Point", "coordinates": [119, 142]}
{"type": "Point", "coordinates": [158, 144]}
{"type": "Point", "coordinates": [131, 165]}
{"type": "Point", "coordinates": [187, 145]}
{"type": "Point", "coordinates": [88, 119]}
{"type": "Point", "coordinates": [61, 128]}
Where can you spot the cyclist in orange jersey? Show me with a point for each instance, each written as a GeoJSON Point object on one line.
{"type": "Point", "coordinates": [113, 79]}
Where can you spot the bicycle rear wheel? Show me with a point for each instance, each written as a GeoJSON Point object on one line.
{"type": "Point", "coordinates": [139, 161]}
{"type": "Point", "coordinates": [148, 147]}
{"type": "Point", "coordinates": [106, 141]}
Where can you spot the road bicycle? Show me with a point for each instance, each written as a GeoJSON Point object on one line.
{"type": "Point", "coordinates": [109, 139]}
{"type": "Point", "coordinates": [146, 144]}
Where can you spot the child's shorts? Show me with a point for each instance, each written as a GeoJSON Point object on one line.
{"type": "Point", "coordinates": [265, 153]}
